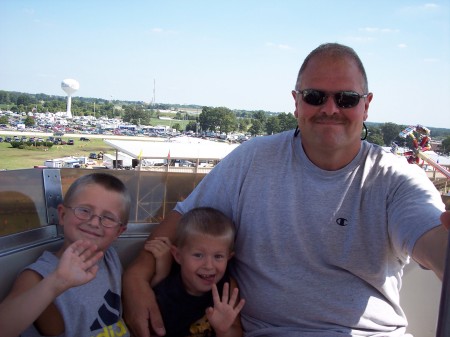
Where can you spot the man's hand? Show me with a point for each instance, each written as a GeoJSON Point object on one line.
{"type": "Point", "coordinates": [430, 249]}
{"type": "Point", "coordinates": [141, 310]}
{"type": "Point", "coordinates": [144, 321]}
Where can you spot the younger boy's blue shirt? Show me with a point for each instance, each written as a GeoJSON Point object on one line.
{"type": "Point", "coordinates": [184, 314]}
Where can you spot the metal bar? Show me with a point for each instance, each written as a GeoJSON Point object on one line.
{"type": "Point", "coordinates": [53, 194]}
{"type": "Point", "coordinates": [434, 164]}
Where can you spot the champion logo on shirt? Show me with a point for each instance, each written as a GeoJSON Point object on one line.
{"type": "Point", "coordinates": [342, 222]}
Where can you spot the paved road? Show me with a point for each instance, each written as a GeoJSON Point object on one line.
{"type": "Point", "coordinates": [77, 136]}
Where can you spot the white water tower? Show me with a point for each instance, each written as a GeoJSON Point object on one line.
{"type": "Point", "coordinates": [69, 86]}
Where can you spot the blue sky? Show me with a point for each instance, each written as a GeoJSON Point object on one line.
{"type": "Point", "coordinates": [237, 54]}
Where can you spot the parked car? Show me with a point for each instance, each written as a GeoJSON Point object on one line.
{"type": "Point", "coordinates": [84, 139]}
{"type": "Point", "coordinates": [92, 155]}
{"type": "Point", "coordinates": [70, 142]}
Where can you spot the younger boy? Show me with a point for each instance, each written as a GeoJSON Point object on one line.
{"type": "Point", "coordinates": [76, 290]}
{"type": "Point", "coordinates": [188, 298]}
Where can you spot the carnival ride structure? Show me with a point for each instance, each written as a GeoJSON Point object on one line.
{"type": "Point", "coordinates": [420, 144]}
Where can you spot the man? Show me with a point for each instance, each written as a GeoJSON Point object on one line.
{"type": "Point", "coordinates": [325, 223]}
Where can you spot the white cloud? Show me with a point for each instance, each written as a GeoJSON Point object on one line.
{"type": "Point", "coordinates": [369, 29]}
{"type": "Point", "coordinates": [278, 46]}
{"type": "Point", "coordinates": [29, 11]}
{"type": "Point", "coordinates": [359, 39]}
{"type": "Point", "coordinates": [420, 8]}
{"type": "Point", "coordinates": [161, 31]}
{"type": "Point", "coordinates": [402, 45]}
{"type": "Point", "coordinates": [378, 30]}
{"type": "Point", "coordinates": [431, 60]}
{"type": "Point", "coordinates": [430, 6]}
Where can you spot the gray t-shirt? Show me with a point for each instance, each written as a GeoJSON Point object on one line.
{"type": "Point", "coordinates": [319, 253]}
{"type": "Point", "coordinates": [93, 309]}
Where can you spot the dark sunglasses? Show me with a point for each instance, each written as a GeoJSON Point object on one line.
{"type": "Point", "coordinates": [343, 99]}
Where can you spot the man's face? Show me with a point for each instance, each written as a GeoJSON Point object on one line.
{"type": "Point", "coordinates": [328, 126]}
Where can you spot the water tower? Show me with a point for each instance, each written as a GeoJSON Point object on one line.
{"type": "Point", "coordinates": [69, 86]}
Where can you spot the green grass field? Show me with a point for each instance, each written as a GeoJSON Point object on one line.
{"type": "Point", "coordinates": [13, 158]}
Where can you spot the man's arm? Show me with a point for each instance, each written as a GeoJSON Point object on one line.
{"type": "Point", "coordinates": [430, 250]}
{"type": "Point", "coordinates": [139, 301]}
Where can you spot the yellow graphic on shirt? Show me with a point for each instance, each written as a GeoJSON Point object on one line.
{"type": "Point", "coordinates": [118, 329]}
{"type": "Point", "coordinates": [201, 328]}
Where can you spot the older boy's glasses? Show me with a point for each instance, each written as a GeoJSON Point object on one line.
{"type": "Point", "coordinates": [85, 213]}
{"type": "Point", "coordinates": [343, 99]}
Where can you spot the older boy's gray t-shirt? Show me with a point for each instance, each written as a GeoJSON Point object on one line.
{"type": "Point", "coordinates": [319, 251]}
{"type": "Point", "coordinates": [92, 309]}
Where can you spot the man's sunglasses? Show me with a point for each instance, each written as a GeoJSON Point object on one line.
{"type": "Point", "coordinates": [343, 99]}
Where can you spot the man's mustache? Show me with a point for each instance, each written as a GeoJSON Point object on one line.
{"type": "Point", "coordinates": [329, 119]}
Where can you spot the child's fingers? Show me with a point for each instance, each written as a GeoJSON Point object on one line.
{"type": "Point", "coordinates": [225, 292]}
{"type": "Point", "coordinates": [239, 307]}
{"type": "Point", "coordinates": [234, 297]}
{"type": "Point", "coordinates": [92, 260]}
{"type": "Point", "coordinates": [215, 294]}
{"type": "Point", "coordinates": [164, 240]}
{"type": "Point", "coordinates": [158, 245]}
{"type": "Point", "coordinates": [86, 252]}
{"type": "Point", "coordinates": [81, 246]}
{"type": "Point", "coordinates": [158, 249]}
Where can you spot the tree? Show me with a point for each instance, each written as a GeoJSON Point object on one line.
{"type": "Point", "coordinates": [256, 128]}
{"type": "Point", "coordinates": [390, 133]}
{"type": "Point", "coordinates": [375, 136]}
{"type": "Point", "coordinates": [220, 118]}
{"type": "Point", "coordinates": [191, 126]}
{"type": "Point", "coordinates": [260, 115]}
{"type": "Point", "coordinates": [29, 122]}
{"type": "Point", "coordinates": [209, 119]}
{"type": "Point", "coordinates": [243, 124]}
{"type": "Point", "coordinates": [281, 122]}
{"type": "Point", "coordinates": [23, 100]}
{"type": "Point", "coordinates": [228, 120]}
{"type": "Point", "coordinates": [4, 97]}
{"type": "Point", "coordinates": [445, 147]}
{"type": "Point", "coordinates": [272, 125]}
{"type": "Point", "coordinates": [136, 115]}
{"type": "Point", "coordinates": [4, 120]}
{"type": "Point", "coordinates": [177, 127]}
{"type": "Point", "coordinates": [287, 121]}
